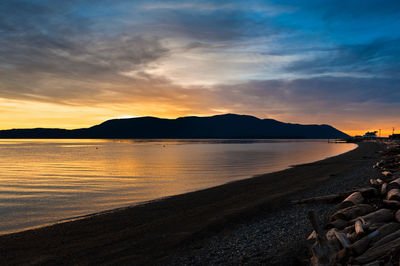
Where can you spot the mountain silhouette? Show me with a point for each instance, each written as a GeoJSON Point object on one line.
{"type": "Point", "coordinates": [228, 126]}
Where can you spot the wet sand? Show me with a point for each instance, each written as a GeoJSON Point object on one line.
{"type": "Point", "coordinates": [158, 231]}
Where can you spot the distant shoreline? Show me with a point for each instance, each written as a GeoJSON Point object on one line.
{"type": "Point", "coordinates": [152, 232]}
{"type": "Point", "coordinates": [227, 126]}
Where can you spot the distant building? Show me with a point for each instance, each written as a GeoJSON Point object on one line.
{"type": "Point", "coordinates": [394, 136]}
{"type": "Point", "coordinates": [367, 136]}
{"type": "Point", "coordinates": [370, 135]}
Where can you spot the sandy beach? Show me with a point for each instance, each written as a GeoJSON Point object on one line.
{"type": "Point", "coordinates": [244, 222]}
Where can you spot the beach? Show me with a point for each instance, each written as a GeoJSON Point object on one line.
{"type": "Point", "coordinates": [249, 221]}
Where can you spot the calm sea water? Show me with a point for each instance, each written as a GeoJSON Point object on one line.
{"type": "Point", "coordinates": [44, 181]}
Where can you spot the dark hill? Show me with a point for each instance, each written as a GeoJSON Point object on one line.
{"type": "Point", "coordinates": [219, 126]}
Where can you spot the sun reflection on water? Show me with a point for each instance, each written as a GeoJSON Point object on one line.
{"type": "Point", "coordinates": [43, 181]}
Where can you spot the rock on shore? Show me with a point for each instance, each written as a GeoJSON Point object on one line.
{"type": "Point", "coordinates": [277, 238]}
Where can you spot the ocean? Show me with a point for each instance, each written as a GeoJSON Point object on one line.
{"type": "Point", "coordinates": [46, 181]}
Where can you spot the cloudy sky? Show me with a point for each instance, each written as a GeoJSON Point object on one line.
{"type": "Point", "coordinates": [77, 63]}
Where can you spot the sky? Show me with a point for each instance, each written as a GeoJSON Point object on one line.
{"type": "Point", "coordinates": [76, 63]}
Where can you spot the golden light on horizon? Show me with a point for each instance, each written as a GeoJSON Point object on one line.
{"type": "Point", "coordinates": [33, 114]}
{"type": "Point", "coordinates": [383, 133]}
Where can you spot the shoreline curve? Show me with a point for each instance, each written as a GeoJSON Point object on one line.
{"type": "Point", "coordinates": [152, 232]}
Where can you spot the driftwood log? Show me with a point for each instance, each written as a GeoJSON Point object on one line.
{"type": "Point", "coordinates": [359, 228]}
{"type": "Point", "coordinates": [354, 199]}
{"type": "Point", "coordinates": [379, 216]}
{"type": "Point", "coordinates": [397, 216]}
{"type": "Point", "coordinates": [349, 229]}
{"type": "Point", "coordinates": [391, 203]}
{"type": "Point", "coordinates": [384, 188]}
{"type": "Point", "coordinates": [342, 239]}
{"type": "Point", "coordinates": [352, 212]}
{"type": "Point", "coordinates": [339, 224]}
{"type": "Point", "coordinates": [332, 239]}
{"type": "Point", "coordinates": [365, 192]}
{"type": "Point", "coordinates": [365, 229]}
{"type": "Point", "coordinates": [360, 246]}
{"type": "Point", "coordinates": [327, 198]}
{"type": "Point", "coordinates": [322, 252]}
{"type": "Point", "coordinates": [374, 263]}
{"type": "Point", "coordinates": [394, 184]}
{"type": "Point", "coordinates": [387, 238]}
{"type": "Point", "coordinates": [393, 194]}
{"type": "Point", "coordinates": [385, 230]}
{"type": "Point", "coordinates": [374, 253]}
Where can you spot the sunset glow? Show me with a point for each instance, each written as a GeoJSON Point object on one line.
{"type": "Point", "coordinates": [74, 64]}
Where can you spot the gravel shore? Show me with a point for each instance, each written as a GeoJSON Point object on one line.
{"type": "Point", "coordinates": [276, 238]}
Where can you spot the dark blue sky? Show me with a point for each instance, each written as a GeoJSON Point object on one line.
{"type": "Point", "coordinates": [76, 63]}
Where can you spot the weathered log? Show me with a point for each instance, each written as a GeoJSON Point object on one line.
{"type": "Point", "coordinates": [385, 230]}
{"type": "Point", "coordinates": [315, 224]}
{"type": "Point", "coordinates": [367, 192]}
{"type": "Point", "coordinates": [379, 216]}
{"type": "Point", "coordinates": [388, 180]}
{"type": "Point", "coordinates": [332, 239]}
{"type": "Point", "coordinates": [391, 203]}
{"type": "Point", "coordinates": [373, 227]}
{"type": "Point", "coordinates": [374, 253]}
{"type": "Point", "coordinates": [349, 229]}
{"type": "Point", "coordinates": [344, 253]}
{"type": "Point", "coordinates": [397, 216]}
{"type": "Point", "coordinates": [387, 238]}
{"type": "Point", "coordinates": [322, 252]}
{"type": "Point", "coordinates": [338, 224]}
{"type": "Point", "coordinates": [374, 263]}
{"type": "Point", "coordinates": [359, 228]}
{"type": "Point", "coordinates": [353, 199]}
{"type": "Point", "coordinates": [342, 256]}
{"type": "Point", "coordinates": [393, 194]}
{"type": "Point", "coordinates": [361, 245]}
{"type": "Point", "coordinates": [367, 231]}
{"type": "Point", "coordinates": [352, 237]}
{"type": "Point", "coordinates": [342, 239]}
{"type": "Point", "coordinates": [394, 184]}
{"type": "Point", "coordinates": [352, 212]}
{"type": "Point", "coordinates": [327, 198]}
{"type": "Point", "coordinates": [384, 188]}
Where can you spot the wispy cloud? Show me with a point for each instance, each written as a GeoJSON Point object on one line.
{"type": "Point", "coordinates": [305, 61]}
{"type": "Point", "coordinates": [267, 9]}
